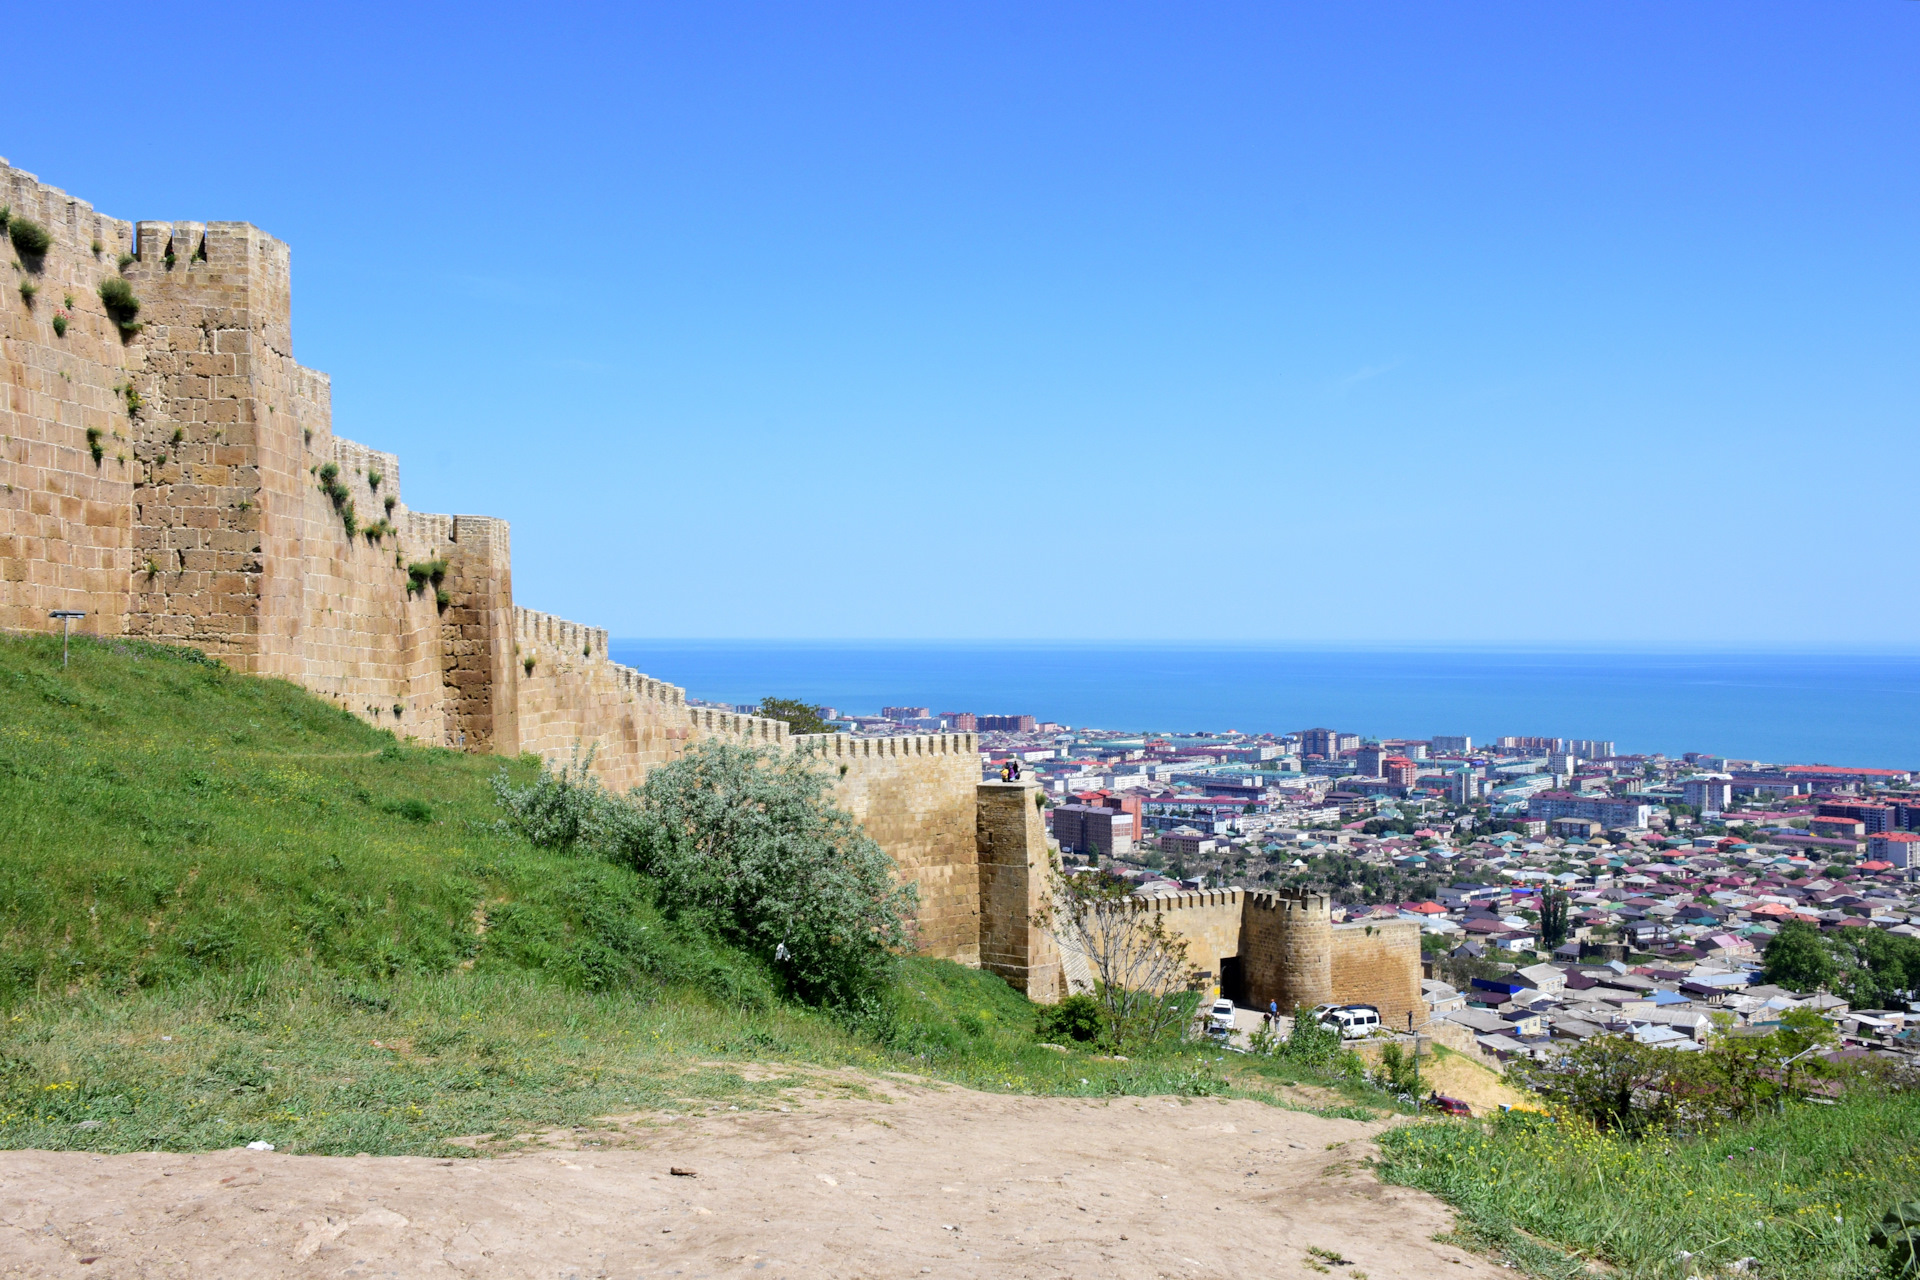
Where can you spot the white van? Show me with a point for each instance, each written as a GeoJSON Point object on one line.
{"type": "Point", "coordinates": [1220, 1021]}
{"type": "Point", "coordinates": [1354, 1021]}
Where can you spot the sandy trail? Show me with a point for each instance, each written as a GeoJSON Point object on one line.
{"type": "Point", "coordinates": [926, 1181]}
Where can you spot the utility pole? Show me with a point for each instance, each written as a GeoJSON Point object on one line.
{"type": "Point", "coordinates": [1416, 1060]}
{"type": "Point", "coordinates": [66, 617]}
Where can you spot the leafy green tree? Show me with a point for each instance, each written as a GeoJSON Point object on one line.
{"type": "Point", "coordinates": [1460, 971]}
{"type": "Point", "coordinates": [1310, 1045]}
{"type": "Point", "coordinates": [801, 717]}
{"type": "Point", "coordinates": [1553, 918]}
{"type": "Point", "coordinates": [1623, 1086]}
{"type": "Point", "coordinates": [1399, 1070]}
{"type": "Point", "coordinates": [561, 808]}
{"type": "Point", "coordinates": [1314, 1044]}
{"type": "Point", "coordinates": [1798, 959]}
{"type": "Point", "coordinates": [1877, 969]}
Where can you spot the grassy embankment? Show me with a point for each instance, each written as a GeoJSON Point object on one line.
{"type": "Point", "coordinates": [231, 911]}
{"type": "Point", "coordinates": [1797, 1191]}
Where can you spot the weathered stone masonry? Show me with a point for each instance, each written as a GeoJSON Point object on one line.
{"type": "Point", "coordinates": [206, 520]}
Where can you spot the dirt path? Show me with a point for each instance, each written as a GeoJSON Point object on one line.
{"type": "Point", "coordinates": [928, 1181]}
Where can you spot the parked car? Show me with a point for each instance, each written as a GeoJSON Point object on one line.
{"type": "Point", "coordinates": [1221, 1019]}
{"type": "Point", "coordinates": [1354, 1021]}
{"type": "Point", "coordinates": [1448, 1106]}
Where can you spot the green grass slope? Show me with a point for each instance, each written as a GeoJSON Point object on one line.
{"type": "Point", "coordinates": [162, 818]}
{"type": "Point", "coordinates": [1797, 1191]}
{"type": "Point", "coordinates": [231, 911]}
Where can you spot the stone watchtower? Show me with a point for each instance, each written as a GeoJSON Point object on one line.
{"type": "Point", "coordinates": [1289, 949]}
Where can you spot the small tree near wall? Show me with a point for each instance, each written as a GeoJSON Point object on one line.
{"type": "Point", "coordinates": [801, 717]}
{"type": "Point", "coordinates": [1141, 972]}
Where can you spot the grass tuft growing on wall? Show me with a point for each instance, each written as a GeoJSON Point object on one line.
{"type": "Point", "coordinates": [30, 240]}
{"type": "Point", "coordinates": [123, 306]}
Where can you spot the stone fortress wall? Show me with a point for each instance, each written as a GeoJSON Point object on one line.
{"type": "Point", "coordinates": [216, 516]}
{"type": "Point", "coordinates": [1260, 947]}
{"type": "Point", "coordinates": [207, 519]}
{"type": "Point", "coordinates": [916, 797]}
{"type": "Point", "coordinates": [182, 482]}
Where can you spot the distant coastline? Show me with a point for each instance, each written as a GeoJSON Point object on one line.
{"type": "Point", "coordinates": [1855, 707]}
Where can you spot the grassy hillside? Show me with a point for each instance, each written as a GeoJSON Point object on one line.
{"type": "Point", "coordinates": [164, 818]}
{"type": "Point", "coordinates": [1797, 1191]}
{"type": "Point", "coordinates": [229, 911]}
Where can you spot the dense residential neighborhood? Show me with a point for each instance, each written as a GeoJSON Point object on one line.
{"type": "Point", "coordinates": [1563, 890]}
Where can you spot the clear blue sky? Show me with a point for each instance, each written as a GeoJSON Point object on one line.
{"type": "Point", "coordinates": [1382, 322]}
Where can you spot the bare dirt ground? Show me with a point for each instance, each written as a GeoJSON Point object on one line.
{"type": "Point", "coordinates": [913, 1180]}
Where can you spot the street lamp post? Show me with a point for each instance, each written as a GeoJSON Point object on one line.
{"type": "Point", "coordinates": [66, 617]}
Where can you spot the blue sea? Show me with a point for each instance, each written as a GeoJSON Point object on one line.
{"type": "Point", "coordinates": [1858, 709]}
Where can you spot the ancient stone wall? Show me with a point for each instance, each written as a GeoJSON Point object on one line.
{"type": "Point", "coordinates": [202, 520]}
{"type": "Point", "coordinates": [1011, 838]}
{"type": "Point", "coordinates": [224, 513]}
{"type": "Point", "coordinates": [473, 596]}
{"type": "Point", "coordinates": [1379, 964]}
{"type": "Point", "coordinates": [568, 693]}
{"type": "Point", "coordinates": [66, 520]}
{"type": "Point", "coordinates": [1288, 959]}
{"type": "Point", "coordinates": [1208, 921]}
{"type": "Point", "coordinates": [1287, 950]}
{"type": "Point", "coordinates": [915, 795]}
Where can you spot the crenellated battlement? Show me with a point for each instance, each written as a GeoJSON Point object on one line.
{"type": "Point", "coordinates": [1302, 903]}
{"type": "Point", "coordinates": [757, 730]}
{"type": "Point", "coordinates": [534, 627]}
{"type": "Point", "coordinates": [645, 686]}
{"type": "Point", "coordinates": [841, 746]}
{"type": "Point", "coordinates": [1189, 899]}
{"type": "Point", "coordinates": [71, 219]}
{"type": "Point", "coordinates": [359, 465]}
